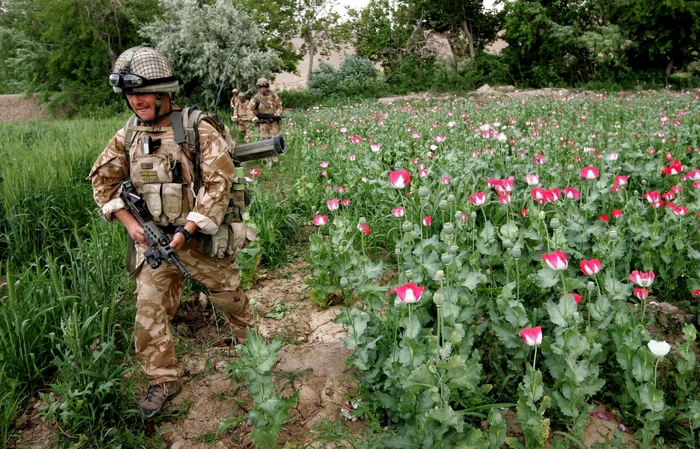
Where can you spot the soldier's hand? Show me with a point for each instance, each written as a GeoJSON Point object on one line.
{"type": "Point", "coordinates": [178, 241]}
{"type": "Point", "coordinates": [254, 119]}
{"type": "Point", "coordinates": [136, 233]}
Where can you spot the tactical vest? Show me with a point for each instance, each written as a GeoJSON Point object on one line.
{"type": "Point", "coordinates": [157, 178]}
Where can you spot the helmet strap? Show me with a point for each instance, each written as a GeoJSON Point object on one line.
{"type": "Point", "coordinates": [159, 102]}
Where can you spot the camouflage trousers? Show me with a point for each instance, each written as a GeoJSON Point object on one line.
{"type": "Point", "coordinates": [158, 295]}
{"type": "Point", "coordinates": [243, 129]}
{"type": "Point", "coordinates": [267, 131]}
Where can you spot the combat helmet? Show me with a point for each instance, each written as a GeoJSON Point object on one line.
{"type": "Point", "coordinates": [262, 82]}
{"type": "Point", "coordinates": [235, 91]}
{"type": "Point", "coordinates": [142, 69]}
{"type": "Point", "coordinates": [242, 96]}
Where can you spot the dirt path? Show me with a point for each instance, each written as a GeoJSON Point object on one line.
{"type": "Point", "coordinates": [312, 362]}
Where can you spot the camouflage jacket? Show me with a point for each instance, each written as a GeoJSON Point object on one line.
{"type": "Point", "coordinates": [241, 111]}
{"type": "Point", "coordinates": [207, 206]}
{"type": "Point", "coordinates": [267, 104]}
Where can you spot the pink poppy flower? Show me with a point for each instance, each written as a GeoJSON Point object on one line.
{"type": "Point", "coordinates": [523, 212]}
{"type": "Point", "coordinates": [680, 211]}
{"type": "Point", "coordinates": [323, 164]}
{"type": "Point", "coordinates": [375, 147]}
{"type": "Point", "coordinates": [616, 213]}
{"type": "Point", "coordinates": [673, 169]}
{"type": "Point", "coordinates": [408, 293]}
{"type": "Point", "coordinates": [603, 218]}
{"type": "Point", "coordinates": [641, 278]}
{"type": "Point", "coordinates": [478, 198]}
{"type": "Point", "coordinates": [695, 293]}
{"type": "Point", "coordinates": [340, 189]}
{"type": "Point", "coordinates": [693, 175]}
{"type": "Point", "coordinates": [668, 196]}
{"type": "Point", "coordinates": [538, 194]}
{"type": "Point", "coordinates": [641, 293]}
{"type": "Point", "coordinates": [439, 139]}
{"type": "Point", "coordinates": [355, 139]}
{"type": "Point", "coordinates": [589, 172]}
{"type": "Point", "coordinates": [398, 212]}
{"type": "Point", "coordinates": [254, 172]}
{"type": "Point", "coordinates": [504, 198]}
{"type": "Point", "coordinates": [532, 180]}
{"type": "Point", "coordinates": [422, 173]}
{"type": "Point", "coordinates": [427, 220]}
{"type": "Point", "coordinates": [345, 202]}
{"type": "Point", "coordinates": [539, 159]}
{"type": "Point", "coordinates": [652, 197]}
{"type": "Point", "coordinates": [416, 135]}
{"type": "Point", "coordinates": [590, 267]}
{"type": "Point", "coordinates": [399, 179]}
{"type": "Point", "coordinates": [333, 204]}
{"type": "Point", "coordinates": [556, 260]}
{"type": "Point", "coordinates": [364, 228]}
{"type": "Point", "coordinates": [578, 298]}
{"type": "Point", "coordinates": [572, 193]}
{"type": "Point", "coordinates": [351, 157]}
{"type": "Point", "coordinates": [506, 184]}
{"type": "Point", "coordinates": [445, 180]}
{"type": "Point", "coordinates": [620, 181]}
{"type": "Point", "coordinates": [320, 220]}
{"type": "Point", "coordinates": [532, 336]}
{"type": "Point", "coordinates": [324, 173]}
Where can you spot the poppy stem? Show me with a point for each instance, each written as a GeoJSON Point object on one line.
{"type": "Point", "coordinates": [534, 359]}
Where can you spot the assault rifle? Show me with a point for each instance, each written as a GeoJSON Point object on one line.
{"type": "Point", "coordinates": [263, 117]}
{"type": "Point", "coordinates": [159, 248]}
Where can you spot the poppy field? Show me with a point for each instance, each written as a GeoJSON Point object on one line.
{"type": "Point", "coordinates": [510, 254]}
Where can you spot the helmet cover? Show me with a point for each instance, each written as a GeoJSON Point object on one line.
{"type": "Point", "coordinates": [154, 69]}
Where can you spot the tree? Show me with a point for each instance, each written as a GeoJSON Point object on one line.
{"type": "Point", "coordinates": [317, 21]}
{"type": "Point", "coordinates": [452, 17]}
{"type": "Point", "coordinates": [63, 49]}
{"type": "Point", "coordinates": [199, 39]}
{"type": "Point", "coordinates": [387, 32]}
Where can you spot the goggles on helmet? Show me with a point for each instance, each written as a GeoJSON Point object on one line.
{"type": "Point", "coordinates": [128, 80]}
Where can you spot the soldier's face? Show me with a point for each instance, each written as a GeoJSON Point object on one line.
{"type": "Point", "coordinates": [144, 105]}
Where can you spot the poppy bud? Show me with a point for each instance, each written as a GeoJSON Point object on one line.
{"type": "Point", "coordinates": [439, 276]}
{"type": "Point", "coordinates": [554, 223]}
{"type": "Point", "coordinates": [409, 275]}
{"type": "Point", "coordinates": [343, 282]}
{"type": "Point", "coordinates": [397, 251]}
{"type": "Point", "coordinates": [252, 302]}
{"type": "Point", "coordinates": [442, 205]}
{"type": "Point", "coordinates": [516, 251]}
{"type": "Point", "coordinates": [446, 258]}
{"type": "Point", "coordinates": [439, 298]}
{"type": "Point", "coordinates": [454, 249]}
{"type": "Point", "coordinates": [451, 198]}
{"type": "Point", "coordinates": [590, 287]}
{"type": "Point", "coordinates": [423, 192]}
{"type": "Point", "coordinates": [407, 226]}
{"type": "Point", "coordinates": [570, 167]}
{"type": "Point", "coordinates": [448, 228]}
{"type": "Point", "coordinates": [473, 215]}
{"type": "Point", "coordinates": [362, 221]}
{"type": "Point", "coordinates": [507, 243]}
{"type": "Point", "coordinates": [613, 235]}
{"type": "Point", "coordinates": [541, 215]}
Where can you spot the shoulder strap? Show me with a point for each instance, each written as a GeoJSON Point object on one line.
{"type": "Point", "coordinates": [129, 138]}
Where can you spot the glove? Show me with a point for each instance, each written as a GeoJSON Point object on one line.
{"type": "Point", "coordinates": [254, 119]}
{"type": "Point", "coordinates": [234, 118]}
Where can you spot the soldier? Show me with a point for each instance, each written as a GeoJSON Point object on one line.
{"type": "Point", "coordinates": [268, 103]}
{"type": "Point", "coordinates": [234, 99]}
{"type": "Point", "coordinates": [242, 116]}
{"type": "Point", "coordinates": [165, 175]}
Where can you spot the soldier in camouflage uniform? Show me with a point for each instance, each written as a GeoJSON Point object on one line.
{"type": "Point", "coordinates": [242, 116]}
{"type": "Point", "coordinates": [234, 101]}
{"type": "Point", "coordinates": [146, 80]}
{"type": "Point", "coordinates": [266, 102]}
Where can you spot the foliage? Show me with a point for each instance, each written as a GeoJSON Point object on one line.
{"type": "Point", "coordinates": [270, 409]}
{"type": "Point", "coordinates": [323, 80]}
{"type": "Point", "coordinates": [300, 99]}
{"type": "Point", "coordinates": [355, 68]}
{"type": "Point", "coordinates": [199, 40]}
{"type": "Point", "coordinates": [356, 78]}
{"type": "Point", "coordinates": [64, 49]}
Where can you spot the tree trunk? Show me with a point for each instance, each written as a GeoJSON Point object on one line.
{"type": "Point", "coordinates": [451, 43]}
{"type": "Point", "coordinates": [470, 40]}
{"type": "Point", "coordinates": [669, 67]}
{"type": "Point", "coordinates": [312, 54]}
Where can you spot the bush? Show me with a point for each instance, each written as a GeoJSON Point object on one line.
{"type": "Point", "coordinates": [323, 80]}
{"type": "Point", "coordinates": [300, 98]}
{"type": "Point", "coordinates": [355, 68]}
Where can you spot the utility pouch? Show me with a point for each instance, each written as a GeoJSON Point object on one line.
{"type": "Point", "coordinates": [172, 202]}
{"type": "Point", "coordinates": [151, 195]}
{"type": "Point", "coordinates": [151, 169]}
{"type": "Point", "coordinates": [240, 235]}
{"type": "Point", "coordinates": [216, 245]}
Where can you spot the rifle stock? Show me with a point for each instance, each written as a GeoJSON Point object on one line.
{"type": "Point", "coordinates": [159, 248]}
